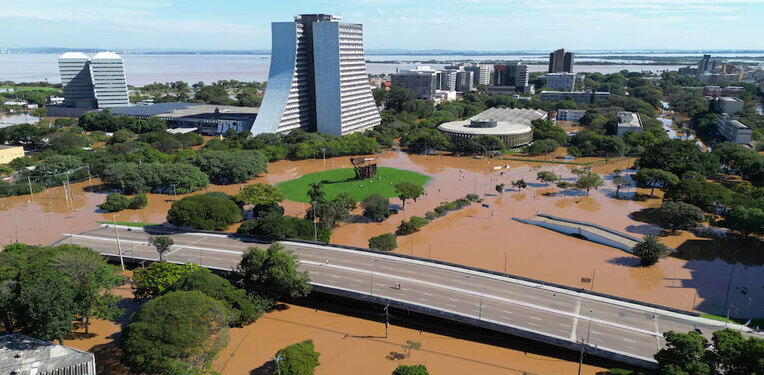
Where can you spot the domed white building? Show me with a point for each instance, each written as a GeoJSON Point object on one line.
{"type": "Point", "coordinates": [511, 125]}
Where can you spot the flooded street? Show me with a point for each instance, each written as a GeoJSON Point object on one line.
{"type": "Point", "coordinates": [474, 236]}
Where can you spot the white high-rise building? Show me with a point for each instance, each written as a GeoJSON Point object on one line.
{"type": "Point", "coordinates": [109, 83]}
{"type": "Point", "coordinates": [561, 81]}
{"type": "Point", "coordinates": [93, 83]}
{"type": "Point", "coordinates": [75, 80]}
{"type": "Point", "coordinates": [317, 79]}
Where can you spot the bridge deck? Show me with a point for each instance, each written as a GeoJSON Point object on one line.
{"type": "Point", "coordinates": [590, 231]}
{"type": "Point", "coordinates": [615, 329]}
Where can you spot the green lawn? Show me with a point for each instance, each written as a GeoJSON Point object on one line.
{"type": "Point", "coordinates": [341, 181]}
{"type": "Point", "coordinates": [50, 90]}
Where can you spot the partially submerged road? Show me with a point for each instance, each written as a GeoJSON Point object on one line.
{"type": "Point", "coordinates": [607, 327]}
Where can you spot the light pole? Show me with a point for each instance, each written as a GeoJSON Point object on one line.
{"type": "Point", "coordinates": [174, 191]}
{"type": "Point", "coordinates": [588, 331]}
{"type": "Point", "coordinates": [278, 360]}
{"type": "Point", "coordinates": [315, 227]}
{"type": "Point", "coordinates": [119, 246]}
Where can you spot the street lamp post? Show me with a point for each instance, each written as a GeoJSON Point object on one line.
{"type": "Point", "coordinates": [278, 360]}
{"type": "Point", "coordinates": [119, 245]}
{"type": "Point", "coordinates": [315, 227]}
{"type": "Point", "coordinates": [588, 332]}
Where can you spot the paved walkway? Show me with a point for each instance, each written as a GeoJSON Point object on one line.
{"type": "Point", "coordinates": [592, 232]}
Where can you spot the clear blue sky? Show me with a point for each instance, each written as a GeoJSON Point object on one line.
{"type": "Point", "coordinates": [488, 25]}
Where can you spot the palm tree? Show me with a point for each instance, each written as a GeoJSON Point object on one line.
{"type": "Point", "coordinates": [650, 250]}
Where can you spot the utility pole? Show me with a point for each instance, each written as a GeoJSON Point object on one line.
{"type": "Point", "coordinates": [505, 262]}
{"type": "Point", "coordinates": [593, 272]}
{"type": "Point", "coordinates": [387, 321]}
{"type": "Point", "coordinates": [29, 179]}
{"type": "Point", "coordinates": [588, 332]}
{"type": "Point", "coordinates": [315, 227]}
{"type": "Point", "coordinates": [119, 245]}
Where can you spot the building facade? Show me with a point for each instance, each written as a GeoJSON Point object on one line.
{"type": "Point", "coordinates": [464, 81]}
{"type": "Point", "coordinates": [76, 82]}
{"type": "Point", "coordinates": [729, 105]}
{"type": "Point", "coordinates": [317, 78]}
{"type": "Point", "coordinates": [628, 122]}
{"type": "Point", "coordinates": [24, 355]}
{"type": "Point", "coordinates": [109, 83]}
{"type": "Point", "coordinates": [99, 82]}
{"type": "Point", "coordinates": [560, 61]}
{"type": "Point", "coordinates": [8, 153]}
{"type": "Point", "coordinates": [423, 81]}
{"type": "Point", "coordinates": [732, 129]}
{"type": "Point", "coordinates": [448, 79]}
{"type": "Point", "coordinates": [572, 115]}
{"type": "Point", "coordinates": [561, 81]}
{"type": "Point", "coordinates": [481, 73]}
{"type": "Point", "coordinates": [580, 97]}
{"type": "Point", "coordinates": [513, 126]}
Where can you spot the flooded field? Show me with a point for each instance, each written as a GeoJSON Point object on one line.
{"type": "Point", "coordinates": [475, 236]}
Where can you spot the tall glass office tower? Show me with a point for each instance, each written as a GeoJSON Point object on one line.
{"type": "Point", "coordinates": [317, 79]}
{"type": "Point", "coordinates": [93, 83]}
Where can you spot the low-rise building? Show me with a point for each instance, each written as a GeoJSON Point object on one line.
{"type": "Point", "coordinates": [8, 153]}
{"type": "Point", "coordinates": [443, 96]}
{"type": "Point", "coordinates": [732, 129]}
{"type": "Point", "coordinates": [511, 125]}
{"type": "Point", "coordinates": [208, 119]}
{"type": "Point", "coordinates": [716, 91]}
{"type": "Point", "coordinates": [54, 100]}
{"type": "Point", "coordinates": [628, 122]}
{"type": "Point", "coordinates": [572, 115]}
{"type": "Point", "coordinates": [580, 97]}
{"type": "Point", "coordinates": [509, 90]}
{"type": "Point", "coordinates": [730, 105]}
{"type": "Point", "coordinates": [561, 81]}
{"type": "Point", "coordinates": [24, 355]}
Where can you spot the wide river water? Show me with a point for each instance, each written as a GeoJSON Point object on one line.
{"type": "Point", "coordinates": [142, 68]}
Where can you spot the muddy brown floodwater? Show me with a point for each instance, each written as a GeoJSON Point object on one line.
{"type": "Point", "coordinates": [474, 236]}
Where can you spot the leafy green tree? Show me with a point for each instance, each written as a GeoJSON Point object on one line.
{"type": "Point", "coordinates": [158, 278]}
{"type": "Point", "coordinates": [650, 250]}
{"type": "Point", "coordinates": [652, 178]}
{"type": "Point", "coordinates": [273, 273]}
{"type": "Point", "coordinates": [298, 359]}
{"type": "Point", "coordinates": [707, 196]}
{"type": "Point", "coordinates": [678, 157]}
{"type": "Point", "coordinates": [92, 278]}
{"type": "Point", "coordinates": [546, 177]}
{"type": "Point", "coordinates": [115, 202]}
{"type": "Point", "coordinates": [678, 215]}
{"type": "Point", "coordinates": [331, 212]}
{"type": "Point", "coordinates": [376, 208]}
{"type": "Point", "coordinates": [162, 245]}
{"type": "Point", "coordinates": [546, 129]}
{"type": "Point", "coordinates": [21, 163]}
{"type": "Point", "coordinates": [422, 139]}
{"type": "Point", "coordinates": [316, 192]}
{"type": "Point", "coordinates": [407, 190]}
{"type": "Point", "coordinates": [543, 146]}
{"type": "Point", "coordinates": [384, 242]}
{"type": "Point", "coordinates": [410, 370]}
{"type": "Point", "coordinates": [684, 353]}
{"type": "Point", "coordinates": [134, 178]}
{"type": "Point", "coordinates": [285, 227]}
{"type": "Point", "coordinates": [746, 220]}
{"type": "Point", "coordinates": [259, 194]}
{"type": "Point", "coordinates": [230, 167]}
{"type": "Point", "coordinates": [242, 309]}
{"type": "Point", "coordinates": [620, 182]}
{"type": "Point", "coordinates": [204, 212]}
{"type": "Point", "coordinates": [411, 345]}
{"type": "Point", "coordinates": [213, 94]}
{"type": "Point", "coordinates": [138, 201]}
{"type": "Point", "coordinates": [737, 355]}
{"type": "Point", "coordinates": [589, 181]}
{"type": "Point", "coordinates": [500, 189]}
{"type": "Point", "coordinates": [519, 184]}
{"type": "Point", "coordinates": [46, 303]}
{"type": "Point", "coordinates": [185, 329]}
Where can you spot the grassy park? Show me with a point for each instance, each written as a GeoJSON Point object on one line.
{"type": "Point", "coordinates": [338, 181]}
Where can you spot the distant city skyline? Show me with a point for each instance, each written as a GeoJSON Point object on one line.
{"type": "Point", "coordinates": [474, 25]}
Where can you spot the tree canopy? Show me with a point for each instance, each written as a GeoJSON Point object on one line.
{"type": "Point", "coordinates": [298, 359]}
{"type": "Point", "coordinates": [273, 273]}
{"type": "Point", "coordinates": [204, 211]}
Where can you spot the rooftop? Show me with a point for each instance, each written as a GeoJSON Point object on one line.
{"type": "Point", "coordinates": [496, 121]}
{"type": "Point", "coordinates": [182, 110]}
{"type": "Point", "coordinates": [73, 55]}
{"type": "Point", "coordinates": [106, 56]}
{"type": "Point", "coordinates": [24, 355]}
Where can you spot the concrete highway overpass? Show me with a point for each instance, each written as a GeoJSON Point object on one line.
{"type": "Point", "coordinates": [606, 326]}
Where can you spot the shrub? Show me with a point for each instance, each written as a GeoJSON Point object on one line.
{"type": "Point", "coordinates": [299, 359]}
{"type": "Point", "coordinates": [431, 215]}
{"type": "Point", "coordinates": [461, 202]}
{"type": "Point", "coordinates": [376, 207]}
{"type": "Point", "coordinates": [138, 201]}
{"type": "Point", "coordinates": [204, 212]}
{"type": "Point", "coordinates": [410, 370]}
{"type": "Point", "coordinates": [284, 227]}
{"type": "Point", "coordinates": [242, 309]}
{"type": "Point", "coordinates": [473, 197]}
{"type": "Point", "coordinates": [418, 221]}
{"type": "Point", "coordinates": [115, 202]}
{"type": "Point", "coordinates": [384, 242]}
{"type": "Point", "coordinates": [650, 250]}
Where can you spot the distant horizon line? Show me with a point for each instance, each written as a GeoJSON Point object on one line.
{"type": "Point", "coordinates": [378, 51]}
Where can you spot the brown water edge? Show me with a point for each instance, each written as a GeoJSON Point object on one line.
{"type": "Point", "coordinates": [352, 345]}
{"type": "Point", "coordinates": [475, 236]}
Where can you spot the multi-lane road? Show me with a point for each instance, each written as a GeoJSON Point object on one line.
{"type": "Point", "coordinates": [607, 327]}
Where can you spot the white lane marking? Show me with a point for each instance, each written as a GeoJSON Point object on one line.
{"type": "Point", "coordinates": [428, 294]}
{"type": "Point", "coordinates": [657, 330]}
{"type": "Point", "coordinates": [535, 318]}
{"type": "Point", "coordinates": [488, 296]}
{"type": "Point", "coordinates": [147, 244]}
{"type": "Point", "coordinates": [628, 340]}
{"type": "Point", "coordinates": [575, 320]}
